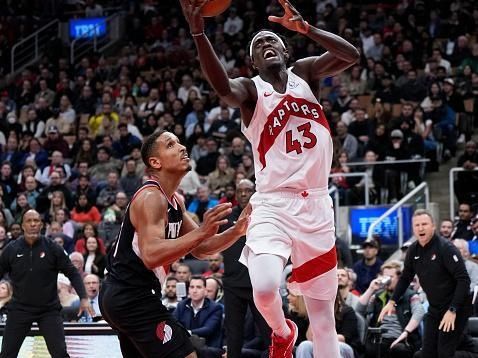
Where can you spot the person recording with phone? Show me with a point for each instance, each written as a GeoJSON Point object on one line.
{"type": "Point", "coordinates": [398, 335]}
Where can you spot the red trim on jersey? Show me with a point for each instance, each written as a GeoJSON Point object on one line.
{"type": "Point", "coordinates": [315, 267]}
{"type": "Point", "coordinates": [278, 118]}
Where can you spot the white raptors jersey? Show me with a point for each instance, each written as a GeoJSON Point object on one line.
{"type": "Point", "coordinates": [290, 138]}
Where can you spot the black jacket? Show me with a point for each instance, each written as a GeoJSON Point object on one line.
{"type": "Point", "coordinates": [34, 270]}
{"type": "Point", "coordinates": [442, 274]}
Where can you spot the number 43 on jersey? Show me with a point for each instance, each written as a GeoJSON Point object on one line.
{"type": "Point", "coordinates": [310, 140]}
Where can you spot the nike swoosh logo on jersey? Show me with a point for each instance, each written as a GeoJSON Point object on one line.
{"type": "Point", "coordinates": [416, 257]}
{"type": "Point", "coordinates": [19, 255]}
{"type": "Point", "coordinates": [267, 94]}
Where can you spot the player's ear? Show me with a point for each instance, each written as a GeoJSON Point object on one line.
{"type": "Point", "coordinates": [286, 55]}
{"type": "Point", "coordinates": [155, 163]}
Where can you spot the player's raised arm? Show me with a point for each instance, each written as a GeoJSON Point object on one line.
{"type": "Point", "coordinates": [340, 53]}
{"type": "Point", "coordinates": [233, 91]}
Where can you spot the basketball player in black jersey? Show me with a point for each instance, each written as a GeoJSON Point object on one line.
{"type": "Point", "coordinates": [156, 231]}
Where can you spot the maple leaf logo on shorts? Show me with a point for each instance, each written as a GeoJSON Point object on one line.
{"type": "Point", "coordinates": [164, 332]}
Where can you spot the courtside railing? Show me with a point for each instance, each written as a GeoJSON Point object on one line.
{"type": "Point", "coordinates": [31, 48]}
{"type": "Point", "coordinates": [423, 187]}
{"type": "Point", "coordinates": [93, 40]}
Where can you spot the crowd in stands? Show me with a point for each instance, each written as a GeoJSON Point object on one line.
{"type": "Point", "coordinates": [70, 136]}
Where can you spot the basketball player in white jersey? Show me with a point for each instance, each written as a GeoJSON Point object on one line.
{"type": "Point", "coordinates": [292, 211]}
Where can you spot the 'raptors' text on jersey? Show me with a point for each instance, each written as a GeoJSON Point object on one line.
{"type": "Point", "coordinates": [290, 137]}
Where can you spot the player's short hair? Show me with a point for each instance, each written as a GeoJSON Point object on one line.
{"type": "Point", "coordinates": [148, 147]}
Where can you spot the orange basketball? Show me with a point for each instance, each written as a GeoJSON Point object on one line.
{"type": "Point", "coordinates": [215, 7]}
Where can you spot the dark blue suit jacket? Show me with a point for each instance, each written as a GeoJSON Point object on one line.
{"type": "Point", "coordinates": [206, 323]}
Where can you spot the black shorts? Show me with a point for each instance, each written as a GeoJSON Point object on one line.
{"type": "Point", "coordinates": [144, 325]}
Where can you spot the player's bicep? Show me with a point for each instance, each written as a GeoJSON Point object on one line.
{"type": "Point", "coordinates": [316, 68]}
{"type": "Point", "coordinates": [148, 216]}
{"type": "Point", "coordinates": [240, 92]}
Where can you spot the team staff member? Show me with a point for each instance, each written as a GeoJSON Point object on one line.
{"type": "Point", "coordinates": [443, 276]}
{"type": "Point", "coordinates": [33, 263]}
{"type": "Point", "coordinates": [237, 283]}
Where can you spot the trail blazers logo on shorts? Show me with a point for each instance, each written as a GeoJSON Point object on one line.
{"type": "Point", "coordinates": [164, 332]}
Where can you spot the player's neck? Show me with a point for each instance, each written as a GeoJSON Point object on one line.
{"type": "Point", "coordinates": [278, 79]}
{"type": "Point", "coordinates": [168, 183]}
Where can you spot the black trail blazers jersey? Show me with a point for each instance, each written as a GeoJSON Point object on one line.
{"type": "Point", "coordinates": [124, 260]}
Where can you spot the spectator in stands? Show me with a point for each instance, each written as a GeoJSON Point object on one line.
{"type": "Point", "coordinates": [397, 150]}
{"type": "Point", "coordinates": [62, 217]}
{"type": "Point", "coordinates": [348, 142]}
{"type": "Point", "coordinates": [6, 293]}
{"type": "Point", "coordinates": [238, 147]}
{"type": "Point", "coordinates": [113, 217]}
{"type": "Point", "coordinates": [19, 206]}
{"type": "Point", "coordinates": [348, 297]}
{"type": "Point", "coordinates": [368, 267]}
{"type": "Point", "coordinates": [462, 226]}
{"type": "Point", "coordinates": [12, 154]}
{"type": "Point", "coordinates": [202, 203]}
{"type": "Point", "coordinates": [125, 143]}
{"type": "Point", "coordinates": [86, 152]}
{"type": "Point", "coordinates": [234, 23]}
{"type": "Point", "coordinates": [201, 316]}
{"type": "Point", "coordinates": [57, 161]}
{"type": "Point", "coordinates": [33, 124]}
{"type": "Point", "coordinates": [14, 231]}
{"type": "Point", "coordinates": [229, 194]}
{"type": "Point", "coordinates": [361, 128]}
{"type": "Point", "coordinates": [446, 229]}
{"type": "Point", "coordinates": [36, 153]}
{"type": "Point", "coordinates": [79, 262]}
{"type": "Point", "coordinates": [92, 287]}
{"type": "Point", "coordinates": [215, 266]}
{"type": "Point", "coordinates": [85, 212]}
{"type": "Point", "coordinates": [84, 186]}
{"type": "Point", "coordinates": [86, 103]}
{"type": "Point", "coordinates": [183, 272]}
{"type": "Point", "coordinates": [104, 165]}
{"type": "Point", "coordinates": [444, 119]}
{"type": "Point", "coordinates": [186, 87]}
{"type": "Point", "coordinates": [170, 299]}
{"type": "Point", "coordinates": [214, 289]}
{"type": "Point", "coordinates": [95, 260]}
{"type": "Point", "coordinates": [66, 294]}
{"type": "Point", "coordinates": [471, 266]}
{"type": "Point", "coordinates": [107, 194]}
{"type": "Point", "coordinates": [413, 90]}
{"type": "Point", "coordinates": [220, 177]}
{"type": "Point", "coordinates": [401, 338]}
{"type": "Point", "coordinates": [55, 230]}
{"type": "Point", "coordinates": [104, 123]}
{"type": "Point", "coordinates": [43, 201]}
{"type": "Point", "coordinates": [467, 181]}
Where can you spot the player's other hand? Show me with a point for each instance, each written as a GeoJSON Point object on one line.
{"type": "Point", "coordinates": [291, 19]}
{"type": "Point", "coordinates": [214, 218]}
{"type": "Point", "coordinates": [240, 227]}
{"type": "Point", "coordinates": [192, 13]}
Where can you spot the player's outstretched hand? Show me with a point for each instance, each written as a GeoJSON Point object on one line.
{"type": "Point", "coordinates": [192, 13]}
{"type": "Point", "coordinates": [291, 19]}
{"type": "Point", "coordinates": [214, 218]}
{"type": "Point", "coordinates": [240, 226]}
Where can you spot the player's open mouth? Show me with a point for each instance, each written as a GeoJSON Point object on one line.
{"type": "Point", "coordinates": [185, 157]}
{"type": "Point", "coordinates": [269, 54]}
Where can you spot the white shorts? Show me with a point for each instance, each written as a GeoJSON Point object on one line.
{"type": "Point", "coordinates": [299, 225]}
